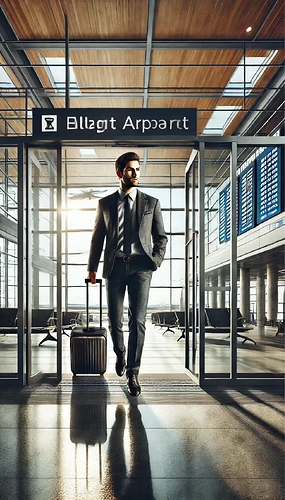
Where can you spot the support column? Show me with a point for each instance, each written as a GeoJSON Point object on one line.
{"type": "Point", "coordinates": [213, 293]}
{"type": "Point", "coordinates": [272, 293]}
{"type": "Point", "coordinates": [245, 293]}
{"type": "Point", "coordinates": [221, 296]}
{"type": "Point", "coordinates": [260, 302]}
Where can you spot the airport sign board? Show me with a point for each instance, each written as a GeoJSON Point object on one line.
{"type": "Point", "coordinates": [114, 124]}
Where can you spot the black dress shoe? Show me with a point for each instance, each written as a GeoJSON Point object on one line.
{"type": "Point", "coordinates": [120, 365]}
{"type": "Point", "coordinates": [134, 387]}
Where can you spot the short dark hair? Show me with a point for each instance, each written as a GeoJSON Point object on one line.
{"type": "Point", "coordinates": [124, 159]}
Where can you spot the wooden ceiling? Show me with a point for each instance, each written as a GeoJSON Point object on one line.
{"type": "Point", "coordinates": [140, 53]}
{"type": "Point", "coordinates": [125, 19]}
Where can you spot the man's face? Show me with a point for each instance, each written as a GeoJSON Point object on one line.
{"type": "Point", "coordinates": [131, 174]}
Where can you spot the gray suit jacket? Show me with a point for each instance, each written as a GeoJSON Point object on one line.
{"type": "Point", "coordinates": [151, 232]}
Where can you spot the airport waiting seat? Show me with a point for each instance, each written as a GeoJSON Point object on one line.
{"type": "Point", "coordinates": [39, 316]}
{"type": "Point", "coordinates": [8, 320]}
{"type": "Point", "coordinates": [43, 321]}
{"type": "Point", "coordinates": [8, 316]}
{"type": "Point", "coordinates": [168, 320]}
{"type": "Point", "coordinates": [219, 321]}
{"type": "Point", "coordinates": [69, 320]}
{"type": "Point", "coordinates": [155, 318]}
{"type": "Point", "coordinates": [180, 315]}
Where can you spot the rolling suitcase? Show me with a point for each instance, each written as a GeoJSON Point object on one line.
{"type": "Point", "coordinates": [88, 346]}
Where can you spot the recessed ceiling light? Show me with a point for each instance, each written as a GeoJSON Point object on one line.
{"type": "Point", "coordinates": [248, 29]}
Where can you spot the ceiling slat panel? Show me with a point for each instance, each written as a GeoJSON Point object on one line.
{"type": "Point", "coordinates": [115, 77]}
{"type": "Point", "coordinates": [169, 153]}
{"type": "Point", "coordinates": [274, 25]}
{"type": "Point", "coordinates": [206, 19]}
{"type": "Point", "coordinates": [98, 19]}
{"type": "Point", "coordinates": [98, 78]}
{"type": "Point", "coordinates": [194, 76]}
{"type": "Point", "coordinates": [98, 103]}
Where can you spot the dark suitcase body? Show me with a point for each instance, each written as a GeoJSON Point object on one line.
{"type": "Point", "coordinates": [88, 346]}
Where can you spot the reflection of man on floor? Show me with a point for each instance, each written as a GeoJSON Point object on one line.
{"type": "Point", "coordinates": [137, 484]}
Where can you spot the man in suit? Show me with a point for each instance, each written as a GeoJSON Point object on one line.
{"type": "Point", "coordinates": [132, 224]}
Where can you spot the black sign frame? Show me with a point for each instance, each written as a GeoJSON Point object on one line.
{"type": "Point", "coordinates": [115, 124]}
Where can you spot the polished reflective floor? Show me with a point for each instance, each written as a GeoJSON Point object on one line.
{"type": "Point", "coordinates": [85, 448]}
{"type": "Point", "coordinates": [86, 438]}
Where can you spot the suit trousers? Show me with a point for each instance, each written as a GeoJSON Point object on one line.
{"type": "Point", "coordinates": [136, 280]}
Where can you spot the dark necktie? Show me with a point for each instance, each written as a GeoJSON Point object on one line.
{"type": "Point", "coordinates": [127, 226]}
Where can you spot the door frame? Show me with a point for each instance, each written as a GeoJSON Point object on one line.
{"type": "Point", "coordinates": [199, 144]}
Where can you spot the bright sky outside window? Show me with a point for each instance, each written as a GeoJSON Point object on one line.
{"type": "Point", "coordinates": [57, 73]}
{"type": "Point", "coordinates": [235, 86]}
{"type": "Point", "coordinates": [220, 119]}
{"type": "Point", "coordinates": [5, 80]}
{"type": "Point", "coordinates": [87, 152]}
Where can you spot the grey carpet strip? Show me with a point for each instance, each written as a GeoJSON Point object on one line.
{"type": "Point", "coordinates": [155, 390]}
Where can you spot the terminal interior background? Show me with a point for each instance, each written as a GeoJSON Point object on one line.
{"type": "Point", "coordinates": [237, 90]}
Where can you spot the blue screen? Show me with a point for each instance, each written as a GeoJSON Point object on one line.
{"type": "Point", "coordinates": [268, 173]}
{"type": "Point", "coordinates": [224, 214]}
{"type": "Point", "coordinates": [247, 199]}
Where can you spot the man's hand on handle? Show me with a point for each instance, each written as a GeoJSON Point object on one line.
{"type": "Point", "coordinates": [92, 276]}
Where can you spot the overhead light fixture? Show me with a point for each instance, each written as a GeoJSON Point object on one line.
{"type": "Point", "coordinates": [248, 29]}
{"type": "Point", "coordinates": [87, 152]}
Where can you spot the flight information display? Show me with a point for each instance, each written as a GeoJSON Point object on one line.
{"type": "Point", "coordinates": [247, 199]}
{"type": "Point", "coordinates": [268, 184]}
{"type": "Point", "coordinates": [224, 214]}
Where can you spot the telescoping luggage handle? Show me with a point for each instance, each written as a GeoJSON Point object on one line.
{"type": "Point", "coordinates": [87, 281]}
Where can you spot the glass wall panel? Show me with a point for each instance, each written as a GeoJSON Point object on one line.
{"type": "Point", "coordinates": [159, 299]}
{"type": "Point", "coordinates": [177, 273]}
{"type": "Point", "coordinates": [8, 262]}
{"type": "Point", "coordinates": [216, 243]}
{"type": "Point", "coordinates": [43, 242]}
{"type": "Point", "coordinates": [178, 222]}
{"type": "Point", "coordinates": [81, 219]}
{"type": "Point", "coordinates": [176, 247]}
{"type": "Point", "coordinates": [177, 198]}
{"type": "Point", "coordinates": [261, 284]}
{"type": "Point", "coordinates": [161, 277]}
{"type": "Point", "coordinates": [163, 194]}
{"type": "Point", "coordinates": [166, 220]}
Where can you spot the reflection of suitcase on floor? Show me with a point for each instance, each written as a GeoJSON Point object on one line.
{"type": "Point", "coordinates": [88, 346]}
{"type": "Point", "coordinates": [88, 424]}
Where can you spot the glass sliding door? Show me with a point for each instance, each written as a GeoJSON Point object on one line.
{"type": "Point", "coordinates": [239, 273]}
{"type": "Point", "coordinates": [191, 268]}
{"type": "Point", "coordinates": [44, 263]}
{"type": "Point", "coordinates": [9, 340]}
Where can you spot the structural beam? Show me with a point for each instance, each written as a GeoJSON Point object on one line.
{"type": "Point", "coordinates": [144, 94]}
{"type": "Point", "coordinates": [26, 75]}
{"type": "Point", "coordinates": [150, 26]}
{"type": "Point", "coordinates": [142, 45]}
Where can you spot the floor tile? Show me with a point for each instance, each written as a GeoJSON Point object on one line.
{"type": "Point", "coordinates": [130, 489]}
